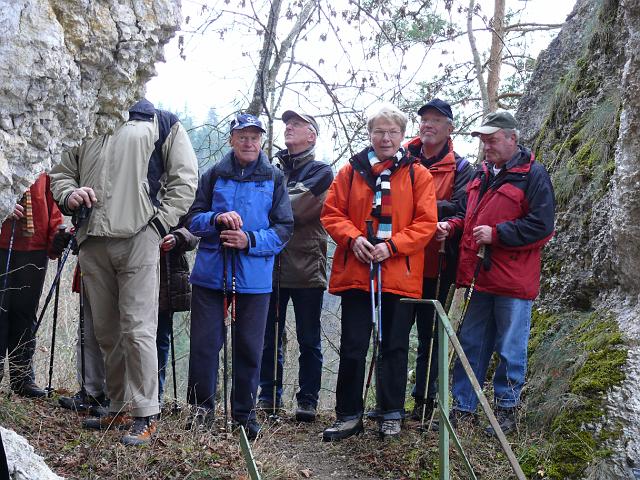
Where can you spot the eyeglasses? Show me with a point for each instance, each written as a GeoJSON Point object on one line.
{"type": "Point", "coordinates": [384, 133]}
{"type": "Point", "coordinates": [297, 124]}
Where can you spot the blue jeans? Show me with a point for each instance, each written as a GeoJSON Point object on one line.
{"type": "Point", "coordinates": [307, 306]}
{"type": "Point", "coordinates": [500, 324]}
{"type": "Point", "coordinates": [163, 343]}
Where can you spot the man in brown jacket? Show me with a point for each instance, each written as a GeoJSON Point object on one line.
{"type": "Point", "coordinates": [301, 273]}
{"type": "Point", "coordinates": [138, 181]}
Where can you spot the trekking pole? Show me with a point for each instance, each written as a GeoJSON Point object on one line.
{"type": "Point", "coordinates": [175, 408]}
{"type": "Point", "coordinates": [62, 228]}
{"type": "Point", "coordinates": [82, 357]}
{"type": "Point", "coordinates": [81, 215]}
{"type": "Point", "coordinates": [233, 330]}
{"type": "Point", "coordinates": [441, 253]}
{"type": "Point", "coordinates": [225, 361]}
{"type": "Point", "coordinates": [483, 257]}
{"type": "Point", "coordinates": [5, 280]}
{"type": "Point", "coordinates": [374, 320]}
{"type": "Point", "coordinates": [274, 415]}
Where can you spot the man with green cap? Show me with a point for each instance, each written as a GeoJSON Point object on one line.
{"type": "Point", "coordinates": [510, 212]}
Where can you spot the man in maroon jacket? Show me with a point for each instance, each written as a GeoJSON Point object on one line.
{"type": "Point", "coordinates": [510, 213]}
{"type": "Point", "coordinates": [34, 223]}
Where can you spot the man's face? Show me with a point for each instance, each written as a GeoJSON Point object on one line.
{"type": "Point", "coordinates": [435, 128]}
{"type": "Point", "coordinates": [499, 147]}
{"type": "Point", "coordinates": [246, 144]}
{"type": "Point", "coordinates": [298, 135]}
{"type": "Point", "coordinates": [386, 137]}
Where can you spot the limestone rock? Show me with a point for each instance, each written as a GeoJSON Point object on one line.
{"type": "Point", "coordinates": [70, 68]}
{"type": "Point", "coordinates": [24, 463]}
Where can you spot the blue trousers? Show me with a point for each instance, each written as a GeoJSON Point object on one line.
{"type": "Point", "coordinates": [494, 324]}
{"type": "Point", "coordinates": [307, 306]}
{"type": "Point", "coordinates": [207, 338]}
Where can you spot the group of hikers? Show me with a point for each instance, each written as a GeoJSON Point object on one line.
{"type": "Point", "coordinates": [408, 220]}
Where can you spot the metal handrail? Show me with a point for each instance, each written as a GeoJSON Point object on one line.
{"type": "Point", "coordinates": [444, 327]}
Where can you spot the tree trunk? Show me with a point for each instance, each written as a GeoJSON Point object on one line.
{"type": "Point", "coordinates": [477, 62]}
{"type": "Point", "coordinates": [495, 57]}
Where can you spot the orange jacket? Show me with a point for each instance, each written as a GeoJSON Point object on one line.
{"type": "Point", "coordinates": [46, 218]}
{"type": "Point", "coordinates": [347, 207]}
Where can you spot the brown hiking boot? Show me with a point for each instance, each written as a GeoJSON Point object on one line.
{"type": "Point", "coordinates": [141, 432]}
{"type": "Point", "coordinates": [112, 420]}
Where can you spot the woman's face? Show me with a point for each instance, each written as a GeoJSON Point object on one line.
{"type": "Point", "coordinates": [386, 137]}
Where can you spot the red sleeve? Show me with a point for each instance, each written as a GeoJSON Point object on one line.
{"type": "Point", "coordinates": [334, 216]}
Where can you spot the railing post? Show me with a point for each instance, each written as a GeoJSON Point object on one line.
{"type": "Point", "coordinates": [443, 397]}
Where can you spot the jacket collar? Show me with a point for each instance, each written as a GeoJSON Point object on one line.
{"type": "Point", "coordinates": [292, 162]}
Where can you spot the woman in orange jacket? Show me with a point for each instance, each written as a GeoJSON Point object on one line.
{"type": "Point", "coordinates": [383, 184]}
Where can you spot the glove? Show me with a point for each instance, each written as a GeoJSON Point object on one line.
{"type": "Point", "coordinates": [59, 243]}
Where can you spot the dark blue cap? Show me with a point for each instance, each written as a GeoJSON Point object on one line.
{"type": "Point", "coordinates": [245, 120]}
{"type": "Point", "coordinates": [440, 105]}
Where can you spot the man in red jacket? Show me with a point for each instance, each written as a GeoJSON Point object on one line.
{"type": "Point", "coordinates": [510, 211]}
{"type": "Point", "coordinates": [36, 220]}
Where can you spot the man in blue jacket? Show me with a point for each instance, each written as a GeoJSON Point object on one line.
{"type": "Point", "coordinates": [242, 215]}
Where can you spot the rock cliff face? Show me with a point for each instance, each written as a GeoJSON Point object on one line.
{"type": "Point", "coordinates": [70, 68]}
{"type": "Point", "coordinates": [581, 115]}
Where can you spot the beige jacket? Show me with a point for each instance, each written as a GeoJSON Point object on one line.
{"type": "Point", "coordinates": [116, 167]}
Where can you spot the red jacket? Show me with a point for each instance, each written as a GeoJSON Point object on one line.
{"type": "Point", "coordinates": [519, 204]}
{"type": "Point", "coordinates": [46, 218]}
{"type": "Point", "coordinates": [348, 205]}
{"type": "Point", "coordinates": [451, 174]}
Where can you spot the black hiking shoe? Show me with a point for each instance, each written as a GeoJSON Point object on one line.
{"type": "Point", "coordinates": [506, 419]}
{"type": "Point", "coordinates": [342, 429]}
{"type": "Point", "coordinates": [306, 412]}
{"type": "Point", "coordinates": [416, 413]}
{"type": "Point", "coordinates": [29, 389]}
{"type": "Point", "coordinates": [267, 406]}
{"type": "Point", "coordinates": [251, 427]}
{"type": "Point", "coordinates": [200, 418]}
{"type": "Point", "coordinates": [459, 418]}
{"type": "Point", "coordinates": [82, 402]}
{"type": "Point", "coordinates": [141, 432]}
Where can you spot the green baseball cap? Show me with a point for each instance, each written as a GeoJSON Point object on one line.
{"type": "Point", "coordinates": [495, 121]}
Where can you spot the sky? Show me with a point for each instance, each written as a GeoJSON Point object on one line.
{"type": "Point", "coordinates": [219, 69]}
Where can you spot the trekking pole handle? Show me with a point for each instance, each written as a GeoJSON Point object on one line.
{"type": "Point", "coordinates": [370, 236]}
{"type": "Point", "coordinates": [62, 227]}
{"type": "Point", "coordinates": [441, 250]}
{"type": "Point", "coordinates": [482, 251]}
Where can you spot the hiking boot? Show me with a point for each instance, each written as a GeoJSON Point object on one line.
{"type": "Point", "coordinates": [267, 405]}
{"type": "Point", "coordinates": [306, 412]}
{"type": "Point", "coordinates": [416, 413]}
{"type": "Point", "coordinates": [342, 429]}
{"type": "Point", "coordinates": [461, 417]}
{"type": "Point", "coordinates": [200, 418]}
{"type": "Point", "coordinates": [29, 389]}
{"type": "Point", "coordinates": [83, 401]}
{"type": "Point", "coordinates": [112, 420]}
{"type": "Point", "coordinates": [389, 428]}
{"type": "Point", "coordinates": [506, 419]}
{"type": "Point", "coordinates": [251, 427]}
{"type": "Point", "coordinates": [141, 432]}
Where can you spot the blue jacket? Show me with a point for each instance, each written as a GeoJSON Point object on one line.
{"type": "Point", "coordinates": [257, 193]}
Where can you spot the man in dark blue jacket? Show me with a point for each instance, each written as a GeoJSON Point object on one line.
{"type": "Point", "coordinates": [242, 215]}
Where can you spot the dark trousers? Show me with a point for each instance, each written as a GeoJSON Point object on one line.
{"type": "Point", "coordinates": [163, 344]}
{"type": "Point", "coordinates": [391, 368]}
{"type": "Point", "coordinates": [424, 324]}
{"type": "Point", "coordinates": [207, 337]}
{"type": "Point", "coordinates": [307, 306]}
{"type": "Point", "coordinates": [18, 318]}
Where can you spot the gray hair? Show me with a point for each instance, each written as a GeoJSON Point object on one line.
{"type": "Point", "coordinates": [391, 113]}
{"type": "Point", "coordinates": [512, 131]}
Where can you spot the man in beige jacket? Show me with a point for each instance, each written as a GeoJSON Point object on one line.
{"type": "Point", "coordinates": [137, 182]}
